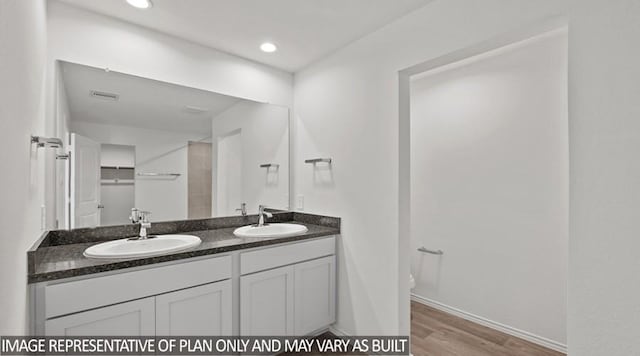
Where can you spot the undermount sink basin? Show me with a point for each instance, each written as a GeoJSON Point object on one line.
{"type": "Point", "coordinates": [270, 230]}
{"type": "Point", "coordinates": [158, 245]}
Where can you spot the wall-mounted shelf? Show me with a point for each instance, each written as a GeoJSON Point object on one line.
{"type": "Point", "coordinates": [116, 175]}
{"type": "Point", "coordinates": [118, 167]}
{"type": "Point", "coordinates": [318, 160]}
{"type": "Point", "coordinates": [117, 181]}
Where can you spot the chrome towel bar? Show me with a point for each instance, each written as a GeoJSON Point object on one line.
{"type": "Point", "coordinates": [318, 160]}
{"type": "Point", "coordinates": [52, 142]}
{"type": "Point", "coordinates": [433, 252]}
{"type": "Point", "coordinates": [269, 165]}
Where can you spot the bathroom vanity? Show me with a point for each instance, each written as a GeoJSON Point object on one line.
{"type": "Point", "coordinates": [227, 285]}
{"type": "Point", "coordinates": [185, 154]}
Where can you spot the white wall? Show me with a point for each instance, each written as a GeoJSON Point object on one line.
{"type": "Point", "coordinates": [346, 107]}
{"type": "Point", "coordinates": [58, 122]}
{"type": "Point", "coordinates": [157, 151]}
{"type": "Point", "coordinates": [227, 181]}
{"type": "Point", "coordinates": [265, 139]}
{"type": "Point", "coordinates": [604, 136]}
{"type": "Point", "coordinates": [22, 78]}
{"type": "Point", "coordinates": [489, 184]}
{"type": "Point", "coordinates": [80, 36]}
{"type": "Point", "coordinates": [117, 155]}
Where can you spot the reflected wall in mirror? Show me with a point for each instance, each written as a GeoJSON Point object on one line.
{"type": "Point", "coordinates": [178, 152]}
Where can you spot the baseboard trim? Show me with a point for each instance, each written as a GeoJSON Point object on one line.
{"type": "Point", "coordinates": [337, 332]}
{"type": "Point", "coordinates": [542, 341]}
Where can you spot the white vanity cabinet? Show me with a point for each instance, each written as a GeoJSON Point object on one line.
{"type": "Point", "coordinates": [285, 289]}
{"type": "Point", "coordinates": [136, 318]}
{"type": "Point", "coordinates": [203, 310]}
{"type": "Point", "coordinates": [266, 303]}
{"type": "Point", "coordinates": [188, 298]}
{"type": "Point", "coordinates": [291, 300]}
{"type": "Point", "coordinates": [315, 295]}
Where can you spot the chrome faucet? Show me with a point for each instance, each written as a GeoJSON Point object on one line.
{"type": "Point", "coordinates": [262, 214]}
{"type": "Point", "coordinates": [141, 217]}
{"type": "Point", "coordinates": [243, 209]}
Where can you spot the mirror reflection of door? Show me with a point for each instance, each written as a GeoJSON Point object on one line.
{"type": "Point", "coordinates": [85, 182]}
{"type": "Point", "coordinates": [229, 186]}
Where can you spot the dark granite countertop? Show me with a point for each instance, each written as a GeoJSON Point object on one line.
{"type": "Point", "coordinates": [59, 254]}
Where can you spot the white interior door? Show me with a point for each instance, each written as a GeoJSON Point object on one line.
{"type": "Point", "coordinates": [85, 182]}
{"type": "Point", "coordinates": [229, 174]}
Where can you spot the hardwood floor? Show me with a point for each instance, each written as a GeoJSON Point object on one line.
{"type": "Point", "coordinates": [435, 333]}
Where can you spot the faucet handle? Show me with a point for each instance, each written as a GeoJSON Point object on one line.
{"type": "Point", "coordinates": [243, 209]}
{"type": "Point", "coordinates": [262, 212]}
{"type": "Point", "coordinates": [144, 215]}
{"type": "Point", "coordinates": [135, 215]}
{"type": "Point", "coordinates": [138, 215]}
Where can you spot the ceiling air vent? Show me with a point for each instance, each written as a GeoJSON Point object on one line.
{"type": "Point", "coordinates": [104, 95]}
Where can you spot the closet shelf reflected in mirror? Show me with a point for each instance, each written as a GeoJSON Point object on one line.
{"type": "Point", "coordinates": [117, 175]}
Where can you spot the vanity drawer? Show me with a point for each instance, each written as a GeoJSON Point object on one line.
{"type": "Point", "coordinates": [260, 260]}
{"type": "Point", "coordinates": [71, 297]}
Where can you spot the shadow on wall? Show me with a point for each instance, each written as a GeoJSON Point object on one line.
{"type": "Point", "coordinates": [428, 270]}
{"type": "Point", "coordinates": [272, 176]}
{"type": "Point", "coordinates": [323, 175]}
{"type": "Point", "coordinates": [350, 282]}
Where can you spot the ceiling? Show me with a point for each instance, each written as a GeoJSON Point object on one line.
{"type": "Point", "coordinates": [142, 102]}
{"type": "Point", "coordinates": [303, 30]}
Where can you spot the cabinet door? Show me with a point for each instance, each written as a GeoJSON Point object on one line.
{"type": "Point", "coordinates": [202, 311]}
{"type": "Point", "coordinates": [315, 296]}
{"type": "Point", "coordinates": [266, 303]}
{"type": "Point", "coordinates": [136, 318]}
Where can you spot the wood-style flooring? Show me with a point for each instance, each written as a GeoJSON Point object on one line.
{"type": "Point", "coordinates": [436, 333]}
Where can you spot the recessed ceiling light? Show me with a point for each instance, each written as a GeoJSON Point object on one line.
{"type": "Point", "coordinates": [268, 47]}
{"type": "Point", "coordinates": [140, 4]}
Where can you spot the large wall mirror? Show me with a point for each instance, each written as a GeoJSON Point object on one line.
{"type": "Point", "coordinates": [178, 152]}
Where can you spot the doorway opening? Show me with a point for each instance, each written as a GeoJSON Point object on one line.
{"type": "Point", "coordinates": [484, 196]}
